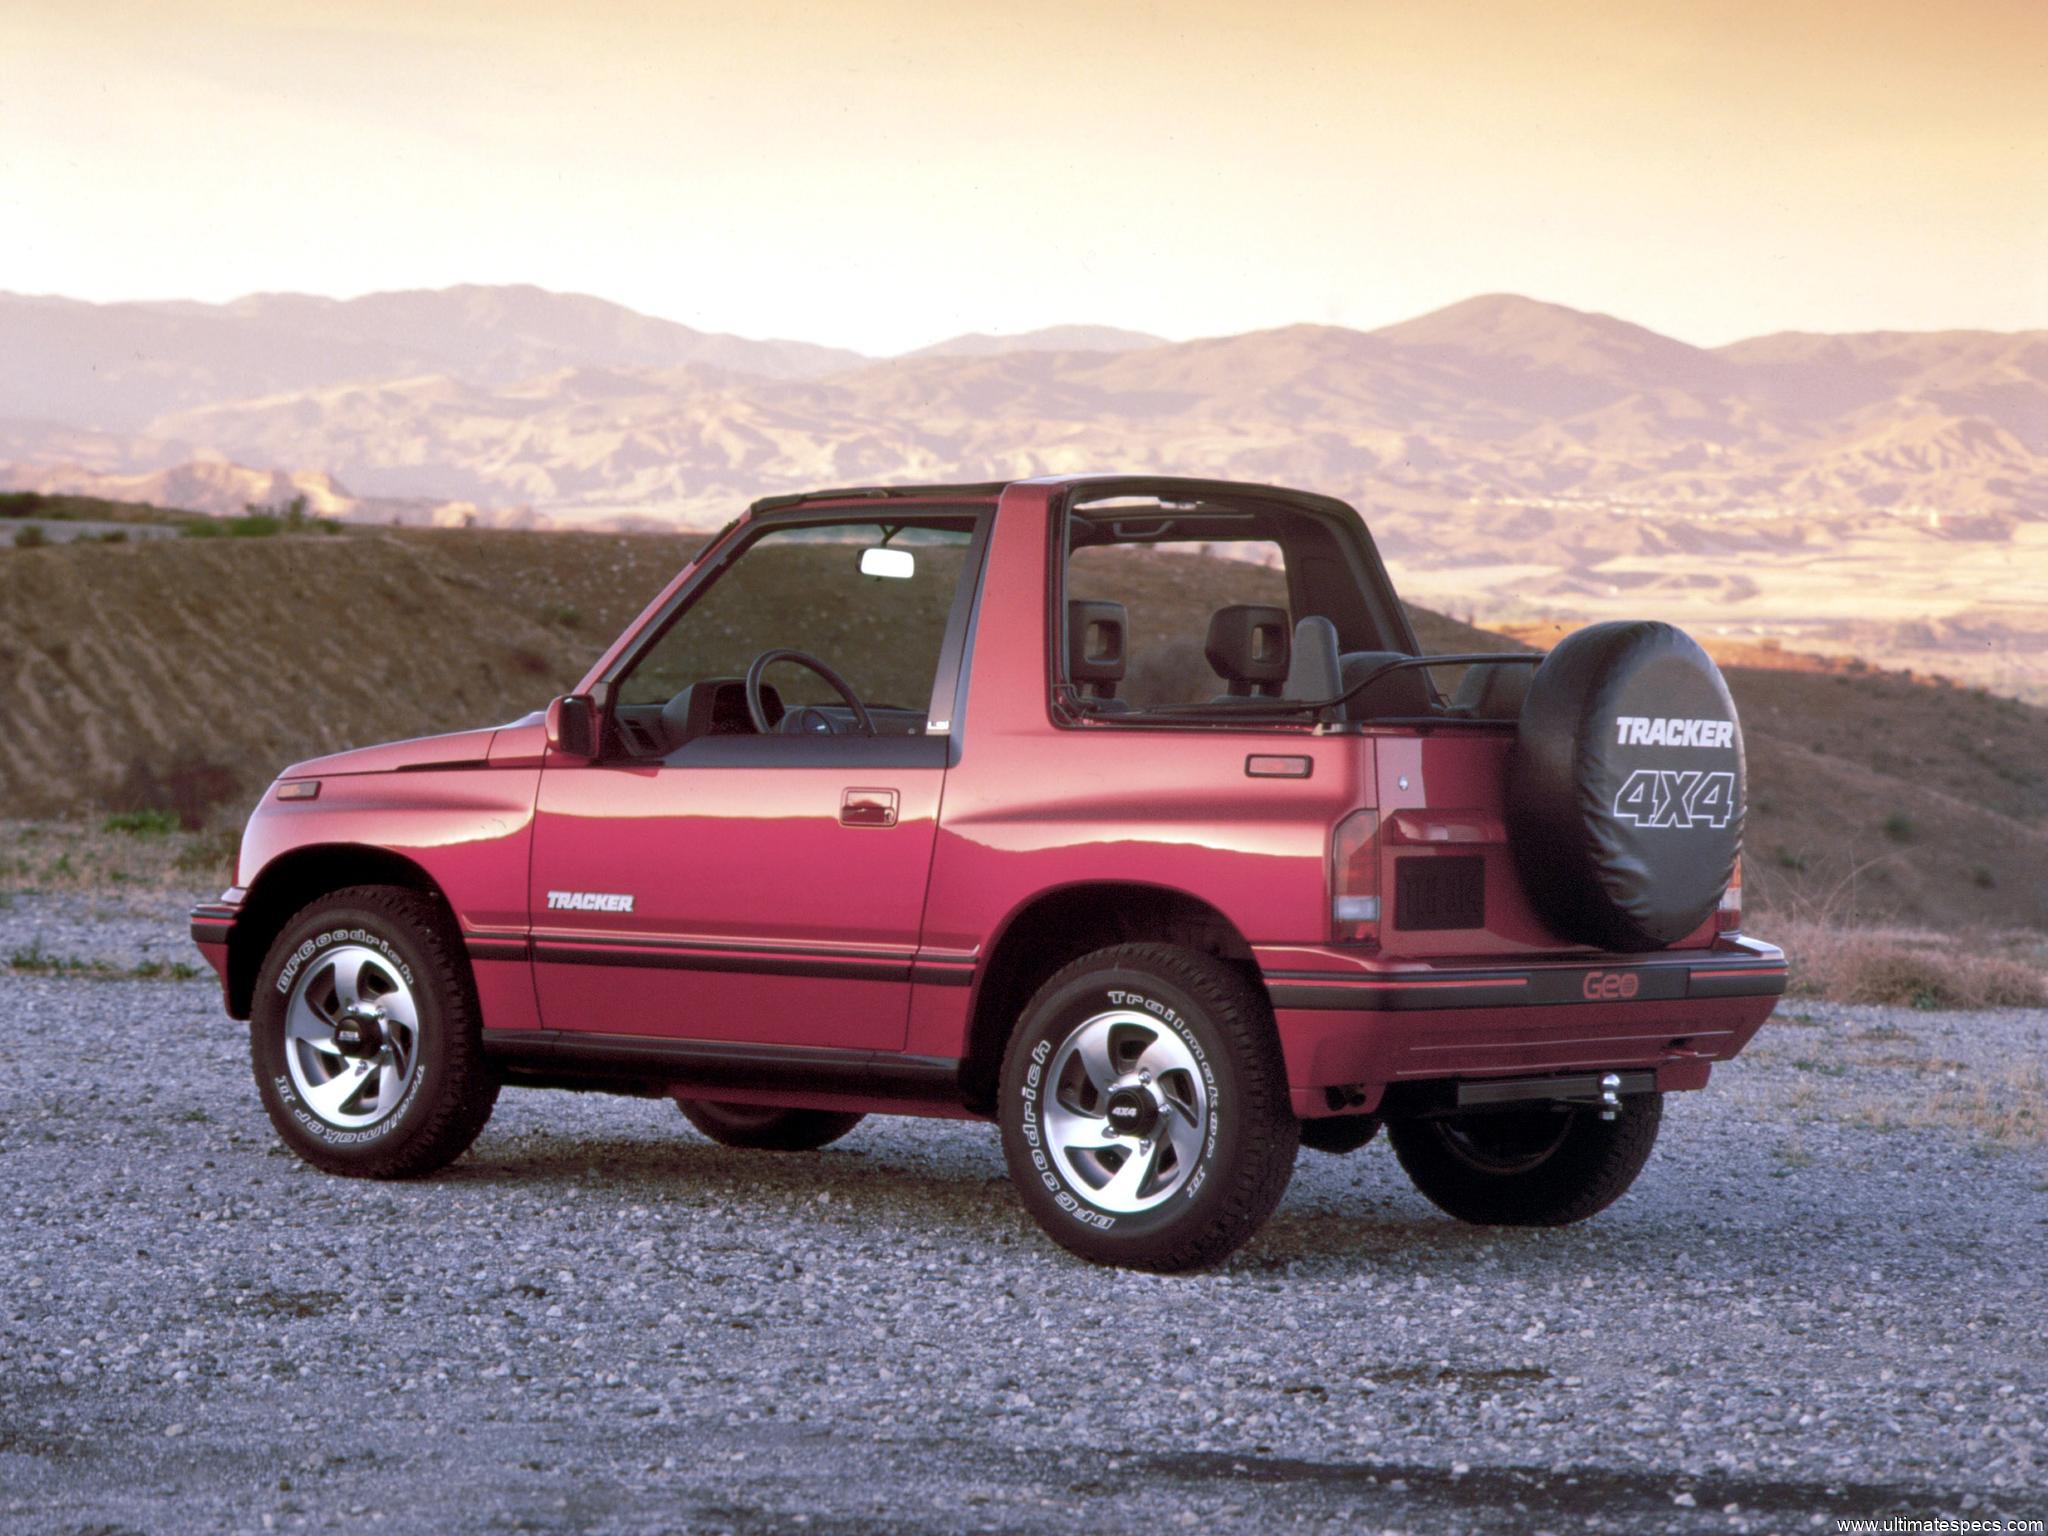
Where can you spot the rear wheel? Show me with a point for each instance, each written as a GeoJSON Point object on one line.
{"type": "Point", "coordinates": [765, 1128]}
{"type": "Point", "coordinates": [1540, 1167]}
{"type": "Point", "coordinates": [1144, 1108]}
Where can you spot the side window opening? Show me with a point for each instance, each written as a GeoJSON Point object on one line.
{"type": "Point", "coordinates": [1170, 592]}
{"type": "Point", "coordinates": [871, 599]}
{"type": "Point", "coordinates": [1224, 605]}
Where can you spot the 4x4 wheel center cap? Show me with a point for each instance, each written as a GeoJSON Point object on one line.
{"type": "Point", "coordinates": [1131, 1110]}
{"type": "Point", "coordinates": [360, 1032]}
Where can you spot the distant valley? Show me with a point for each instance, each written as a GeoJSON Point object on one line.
{"type": "Point", "coordinates": [1883, 494]}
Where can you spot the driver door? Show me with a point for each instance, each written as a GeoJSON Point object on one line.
{"type": "Point", "coordinates": [706, 881]}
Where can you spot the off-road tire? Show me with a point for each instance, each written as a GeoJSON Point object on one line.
{"type": "Point", "coordinates": [452, 1089]}
{"type": "Point", "coordinates": [1338, 1135]}
{"type": "Point", "coordinates": [1625, 839]}
{"type": "Point", "coordinates": [1247, 1134]}
{"type": "Point", "coordinates": [764, 1128]}
{"type": "Point", "coordinates": [1591, 1166]}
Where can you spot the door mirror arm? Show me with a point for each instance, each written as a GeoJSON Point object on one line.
{"type": "Point", "coordinates": [572, 727]}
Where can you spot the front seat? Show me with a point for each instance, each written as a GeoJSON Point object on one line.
{"type": "Point", "coordinates": [1247, 647]}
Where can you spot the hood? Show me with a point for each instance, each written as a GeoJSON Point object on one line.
{"type": "Point", "coordinates": [456, 749]}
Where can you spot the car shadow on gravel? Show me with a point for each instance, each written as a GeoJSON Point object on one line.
{"type": "Point", "coordinates": [953, 1184]}
{"type": "Point", "coordinates": [644, 1167]}
{"type": "Point", "coordinates": [1316, 1234]}
{"type": "Point", "coordinates": [1536, 1495]}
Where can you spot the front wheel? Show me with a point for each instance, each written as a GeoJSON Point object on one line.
{"type": "Point", "coordinates": [1144, 1108]}
{"type": "Point", "coordinates": [1539, 1167]}
{"type": "Point", "coordinates": [366, 1038]}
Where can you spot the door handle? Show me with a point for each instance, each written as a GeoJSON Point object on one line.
{"type": "Point", "coordinates": [867, 808]}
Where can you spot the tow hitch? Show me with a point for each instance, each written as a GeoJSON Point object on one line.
{"type": "Point", "coordinates": [1603, 1091]}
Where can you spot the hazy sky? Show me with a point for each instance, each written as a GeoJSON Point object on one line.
{"type": "Point", "coordinates": [880, 173]}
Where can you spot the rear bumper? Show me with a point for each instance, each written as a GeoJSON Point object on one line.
{"type": "Point", "coordinates": [213, 928]}
{"type": "Point", "coordinates": [1360, 1024]}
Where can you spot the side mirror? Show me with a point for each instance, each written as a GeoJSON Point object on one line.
{"type": "Point", "coordinates": [572, 726]}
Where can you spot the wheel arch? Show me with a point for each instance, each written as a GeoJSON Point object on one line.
{"type": "Point", "coordinates": [1055, 927]}
{"type": "Point", "coordinates": [291, 880]}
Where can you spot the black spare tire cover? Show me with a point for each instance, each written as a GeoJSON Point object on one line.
{"type": "Point", "coordinates": [1625, 786]}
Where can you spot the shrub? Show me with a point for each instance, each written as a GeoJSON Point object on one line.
{"type": "Point", "coordinates": [212, 854]}
{"type": "Point", "coordinates": [1904, 967]}
{"type": "Point", "coordinates": [148, 823]}
{"type": "Point", "coordinates": [256, 523]}
{"type": "Point", "coordinates": [1899, 827]}
{"type": "Point", "coordinates": [30, 537]}
{"type": "Point", "coordinates": [185, 786]}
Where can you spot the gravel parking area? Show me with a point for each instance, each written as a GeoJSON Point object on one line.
{"type": "Point", "coordinates": [1824, 1299]}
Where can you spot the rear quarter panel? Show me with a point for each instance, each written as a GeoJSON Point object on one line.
{"type": "Point", "coordinates": [1031, 807]}
{"type": "Point", "coordinates": [1029, 814]}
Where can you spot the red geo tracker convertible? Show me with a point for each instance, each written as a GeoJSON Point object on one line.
{"type": "Point", "coordinates": [1121, 811]}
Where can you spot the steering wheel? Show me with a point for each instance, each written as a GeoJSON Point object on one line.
{"type": "Point", "coordinates": [758, 713]}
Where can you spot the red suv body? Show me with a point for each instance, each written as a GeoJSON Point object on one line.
{"type": "Point", "coordinates": [759, 907]}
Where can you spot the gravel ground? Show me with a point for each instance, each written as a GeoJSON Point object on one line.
{"type": "Point", "coordinates": [1823, 1299]}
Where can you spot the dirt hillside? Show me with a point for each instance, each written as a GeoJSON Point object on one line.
{"type": "Point", "coordinates": [184, 673]}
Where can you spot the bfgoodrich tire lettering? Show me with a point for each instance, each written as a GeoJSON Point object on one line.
{"type": "Point", "coordinates": [1144, 1108]}
{"type": "Point", "coordinates": [1537, 1167]}
{"type": "Point", "coordinates": [365, 1036]}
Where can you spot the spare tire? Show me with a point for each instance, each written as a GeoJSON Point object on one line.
{"type": "Point", "coordinates": [1625, 786]}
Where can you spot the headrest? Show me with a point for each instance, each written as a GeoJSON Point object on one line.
{"type": "Point", "coordinates": [1315, 670]}
{"type": "Point", "coordinates": [1493, 693]}
{"type": "Point", "coordinates": [1248, 647]}
{"type": "Point", "coordinates": [1095, 645]}
{"type": "Point", "coordinates": [1397, 695]}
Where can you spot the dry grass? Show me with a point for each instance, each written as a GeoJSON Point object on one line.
{"type": "Point", "coordinates": [1912, 967]}
{"type": "Point", "coordinates": [1874, 796]}
{"type": "Point", "coordinates": [34, 960]}
{"type": "Point", "coordinates": [99, 857]}
{"type": "Point", "coordinates": [2006, 1110]}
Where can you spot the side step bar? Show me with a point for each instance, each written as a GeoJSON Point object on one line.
{"type": "Point", "coordinates": [566, 1058]}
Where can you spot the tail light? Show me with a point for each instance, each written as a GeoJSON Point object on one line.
{"type": "Point", "coordinates": [1728, 916]}
{"type": "Point", "coordinates": [1355, 879]}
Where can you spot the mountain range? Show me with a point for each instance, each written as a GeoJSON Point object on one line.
{"type": "Point", "coordinates": [503, 396]}
{"type": "Point", "coordinates": [1590, 459]}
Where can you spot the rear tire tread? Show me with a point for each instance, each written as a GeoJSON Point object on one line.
{"type": "Point", "coordinates": [769, 1130]}
{"type": "Point", "coordinates": [1590, 1170]}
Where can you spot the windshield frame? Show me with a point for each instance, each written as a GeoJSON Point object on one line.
{"type": "Point", "coordinates": [943, 711]}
